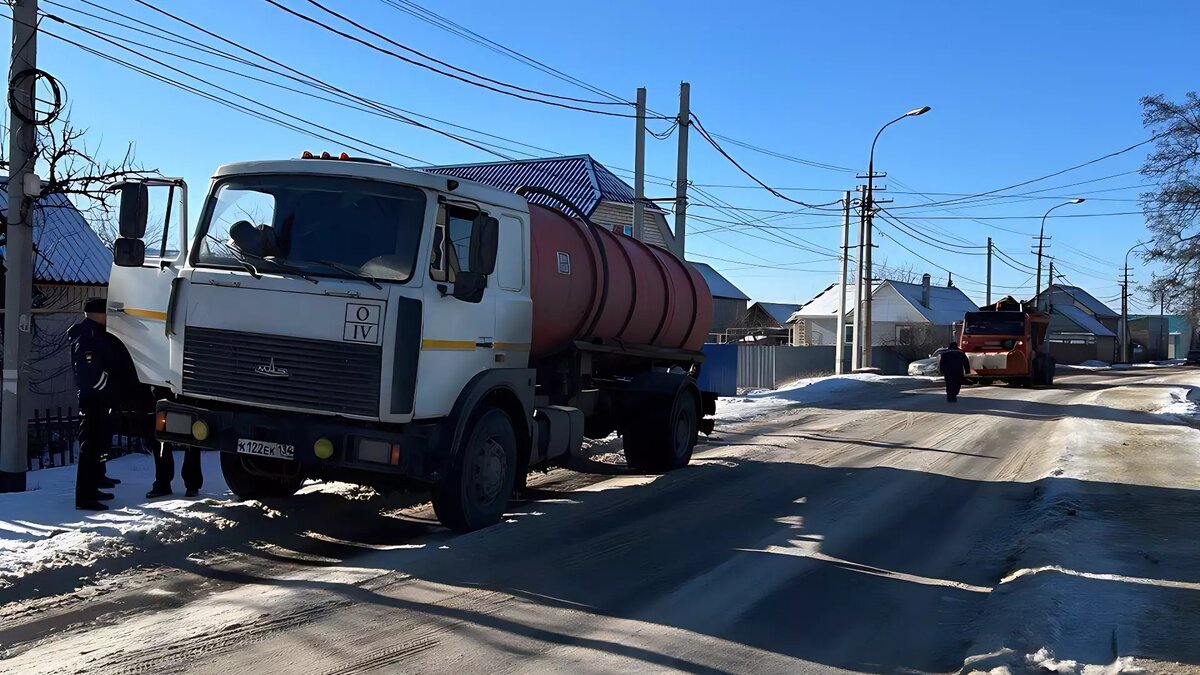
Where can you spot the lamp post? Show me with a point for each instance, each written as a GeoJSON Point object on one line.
{"type": "Point", "coordinates": [1042, 240]}
{"type": "Point", "coordinates": [1124, 332]}
{"type": "Point", "coordinates": [865, 299]}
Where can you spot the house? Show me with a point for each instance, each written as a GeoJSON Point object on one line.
{"type": "Point", "coordinates": [766, 323]}
{"type": "Point", "coordinates": [1166, 336]}
{"type": "Point", "coordinates": [598, 192]}
{"type": "Point", "coordinates": [729, 303]}
{"type": "Point", "coordinates": [1081, 327]}
{"type": "Point", "coordinates": [905, 316]}
{"type": "Point", "coordinates": [71, 264]}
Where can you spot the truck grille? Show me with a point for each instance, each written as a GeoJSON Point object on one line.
{"type": "Point", "coordinates": [334, 377]}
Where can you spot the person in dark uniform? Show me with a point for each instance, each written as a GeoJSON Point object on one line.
{"type": "Point", "coordinates": [955, 367]}
{"type": "Point", "coordinates": [91, 360]}
{"type": "Point", "coordinates": [164, 471]}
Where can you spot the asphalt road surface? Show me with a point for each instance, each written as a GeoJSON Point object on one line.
{"type": "Point", "coordinates": [892, 533]}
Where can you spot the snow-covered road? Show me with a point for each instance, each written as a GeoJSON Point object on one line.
{"type": "Point", "coordinates": [850, 527]}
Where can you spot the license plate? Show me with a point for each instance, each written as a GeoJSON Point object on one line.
{"type": "Point", "coordinates": [264, 449]}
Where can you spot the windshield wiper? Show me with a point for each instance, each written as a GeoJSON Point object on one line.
{"type": "Point", "coordinates": [351, 271]}
{"type": "Point", "coordinates": [276, 262]}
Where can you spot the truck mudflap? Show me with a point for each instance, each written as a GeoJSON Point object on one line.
{"type": "Point", "coordinates": [315, 445]}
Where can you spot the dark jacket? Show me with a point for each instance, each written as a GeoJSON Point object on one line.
{"type": "Point", "coordinates": [95, 364]}
{"type": "Point", "coordinates": [954, 364]}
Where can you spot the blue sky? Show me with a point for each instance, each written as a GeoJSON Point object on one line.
{"type": "Point", "coordinates": [1018, 90]}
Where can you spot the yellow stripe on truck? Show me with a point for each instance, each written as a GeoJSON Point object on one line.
{"type": "Point", "coordinates": [448, 345]}
{"type": "Point", "coordinates": [146, 314]}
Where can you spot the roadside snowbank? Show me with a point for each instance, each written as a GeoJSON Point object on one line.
{"type": "Point", "coordinates": [40, 530]}
{"type": "Point", "coordinates": [755, 405]}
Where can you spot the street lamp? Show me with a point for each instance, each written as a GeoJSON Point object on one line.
{"type": "Point", "coordinates": [865, 285]}
{"type": "Point", "coordinates": [1042, 240]}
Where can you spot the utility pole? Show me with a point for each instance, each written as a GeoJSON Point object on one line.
{"type": "Point", "coordinates": [1041, 240]}
{"type": "Point", "coordinates": [856, 342]}
{"type": "Point", "coordinates": [681, 170]}
{"type": "Point", "coordinates": [989, 273]}
{"type": "Point", "coordinates": [18, 251]}
{"type": "Point", "coordinates": [839, 349]}
{"type": "Point", "coordinates": [639, 168]}
{"type": "Point", "coordinates": [1125, 317]}
{"type": "Point", "coordinates": [868, 215]}
{"type": "Point", "coordinates": [1049, 306]}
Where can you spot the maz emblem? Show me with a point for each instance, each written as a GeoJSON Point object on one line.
{"type": "Point", "coordinates": [270, 370]}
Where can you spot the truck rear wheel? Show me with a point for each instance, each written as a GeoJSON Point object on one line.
{"type": "Point", "coordinates": [665, 433]}
{"type": "Point", "coordinates": [482, 475]}
{"type": "Point", "coordinates": [247, 484]}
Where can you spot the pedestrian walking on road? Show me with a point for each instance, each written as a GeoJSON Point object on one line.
{"type": "Point", "coordinates": [955, 367]}
{"type": "Point", "coordinates": [92, 360]}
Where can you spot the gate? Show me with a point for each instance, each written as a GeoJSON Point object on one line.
{"type": "Point", "coordinates": [756, 366]}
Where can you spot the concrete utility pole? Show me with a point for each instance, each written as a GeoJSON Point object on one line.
{"type": "Point", "coordinates": [989, 273]}
{"type": "Point", "coordinates": [1124, 332]}
{"type": "Point", "coordinates": [839, 349]}
{"type": "Point", "coordinates": [18, 251]}
{"type": "Point", "coordinates": [856, 342]}
{"type": "Point", "coordinates": [681, 170]}
{"type": "Point", "coordinates": [639, 168]}
{"type": "Point", "coordinates": [1049, 306]}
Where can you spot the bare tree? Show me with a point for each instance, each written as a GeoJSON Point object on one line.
{"type": "Point", "coordinates": [904, 272]}
{"type": "Point", "coordinates": [1173, 209]}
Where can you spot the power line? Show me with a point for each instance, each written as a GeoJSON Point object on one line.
{"type": "Point", "coordinates": [316, 22]}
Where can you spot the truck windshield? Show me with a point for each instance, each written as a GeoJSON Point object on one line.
{"type": "Point", "coordinates": [994, 325]}
{"type": "Point", "coordinates": [313, 225]}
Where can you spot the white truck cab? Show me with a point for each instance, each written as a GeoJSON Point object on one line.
{"type": "Point", "coordinates": [333, 317]}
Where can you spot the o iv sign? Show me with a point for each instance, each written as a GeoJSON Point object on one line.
{"type": "Point", "coordinates": [362, 323]}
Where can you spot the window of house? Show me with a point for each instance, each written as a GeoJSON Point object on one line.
{"type": "Point", "coordinates": [848, 337]}
{"type": "Point", "coordinates": [904, 335]}
{"type": "Point", "coordinates": [628, 230]}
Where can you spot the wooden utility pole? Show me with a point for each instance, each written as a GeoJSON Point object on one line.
{"type": "Point", "coordinates": [23, 188]}
{"type": "Point", "coordinates": [989, 273]}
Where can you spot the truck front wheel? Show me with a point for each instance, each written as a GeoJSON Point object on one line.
{"type": "Point", "coordinates": [250, 485]}
{"type": "Point", "coordinates": [663, 437]}
{"type": "Point", "coordinates": [482, 475]}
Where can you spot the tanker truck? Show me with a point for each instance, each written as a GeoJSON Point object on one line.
{"type": "Point", "coordinates": [344, 319]}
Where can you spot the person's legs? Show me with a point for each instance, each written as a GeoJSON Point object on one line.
{"type": "Point", "coordinates": [92, 431]}
{"type": "Point", "coordinates": [164, 471]}
{"type": "Point", "coordinates": [193, 479]}
{"type": "Point", "coordinates": [952, 389]}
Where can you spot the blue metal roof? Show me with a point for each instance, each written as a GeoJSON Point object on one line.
{"type": "Point", "coordinates": [1085, 321]}
{"type": "Point", "coordinates": [579, 178]}
{"type": "Point", "coordinates": [780, 311]}
{"type": "Point", "coordinates": [717, 284]}
{"type": "Point", "coordinates": [67, 249]}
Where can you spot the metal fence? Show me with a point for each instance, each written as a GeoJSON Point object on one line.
{"type": "Point", "coordinates": [52, 434]}
{"type": "Point", "coordinates": [768, 367]}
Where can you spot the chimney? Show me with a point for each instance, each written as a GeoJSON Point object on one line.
{"type": "Point", "coordinates": [925, 290]}
{"type": "Point", "coordinates": [950, 279]}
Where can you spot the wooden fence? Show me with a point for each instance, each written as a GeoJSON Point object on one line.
{"type": "Point", "coordinates": [52, 437]}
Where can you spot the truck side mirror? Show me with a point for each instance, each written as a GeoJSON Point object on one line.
{"type": "Point", "coordinates": [128, 252]}
{"type": "Point", "coordinates": [135, 207]}
{"type": "Point", "coordinates": [468, 286]}
{"type": "Point", "coordinates": [485, 240]}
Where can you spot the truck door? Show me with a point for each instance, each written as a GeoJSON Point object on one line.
{"type": "Point", "coordinates": [139, 297]}
{"type": "Point", "coordinates": [458, 337]}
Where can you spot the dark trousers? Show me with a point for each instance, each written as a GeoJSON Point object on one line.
{"type": "Point", "coordinates": [95, 442]}
{"type": "Point", "coordinates": [953, 386]}
{"type": "Point", "coordinates": [164, 467]}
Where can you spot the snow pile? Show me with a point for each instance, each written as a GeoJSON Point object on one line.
{"type": "Point", "coordinates": [757, 404]}
{"type": "Point", "coordinates": [1180, 404]}
{"type": "Point", "coordinates": [1094, 366]}
{"type": "Point", "coordinates": [40, 530]}
{"type": "Point", "coordinates": [1007, 662]}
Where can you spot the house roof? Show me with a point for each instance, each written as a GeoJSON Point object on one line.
{"type": "Point", "coordinates": [67, 249]}
{"type": "Point", "coordinates": [1074, 294]}
{"type": "Point", "coordinates": [717, 284]}
{"type": "Point", "coordinates": [1085, 321]}
{"type": "Point", "coordinates": [780, 311]}
{"type": "Point", "coordinates": [579, 178]}
{"type": "Point", "coordinates": [946, 304]}
{"type": "Point", "coordinates": [825, 303]}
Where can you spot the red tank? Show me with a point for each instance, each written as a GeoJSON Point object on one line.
{"type": "Point", "coordinates": [588, 283]}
